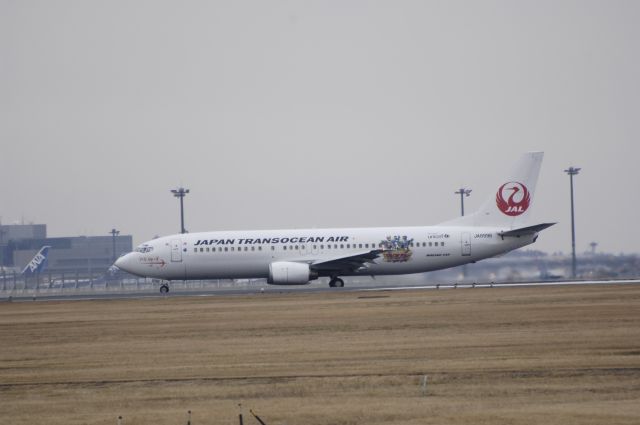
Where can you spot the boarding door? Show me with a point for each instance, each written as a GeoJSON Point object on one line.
{"type": "Point", "coordinates": [176, 251]}
{"type": "Point", "coordinates": [466, 244]}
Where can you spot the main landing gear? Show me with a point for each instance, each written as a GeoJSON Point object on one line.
{"type": "Point", "coordinates": [336, 282]}
{"type": "Point", "coordinates": [164, 288]}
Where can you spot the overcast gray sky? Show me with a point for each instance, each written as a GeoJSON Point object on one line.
{"type": "Point", "coordinates": [285, 114]}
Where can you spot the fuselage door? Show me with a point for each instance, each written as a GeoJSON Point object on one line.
{"type": "Point", "coordinates": [176, 250]}
{"type": "Point", "coordinates": [466, 243]}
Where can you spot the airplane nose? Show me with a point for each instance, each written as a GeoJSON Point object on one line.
{"type": "Point", "coordinates": [125, 262]}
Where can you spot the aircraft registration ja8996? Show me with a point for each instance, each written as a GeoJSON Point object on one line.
{"type": "Point", "coordinates": [297, 257]}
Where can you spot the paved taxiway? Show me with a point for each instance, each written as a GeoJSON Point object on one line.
{"type": "Point", "coordinates": [268, 289]}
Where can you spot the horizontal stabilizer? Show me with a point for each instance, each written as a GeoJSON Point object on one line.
{"type": "Point", "coordinates": [524, 231]}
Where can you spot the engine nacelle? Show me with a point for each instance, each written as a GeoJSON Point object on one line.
{"type": "Point", "coordinates": [290, 273]}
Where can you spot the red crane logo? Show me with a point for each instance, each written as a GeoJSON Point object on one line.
{"type": "Point", "coordinates": [513, 198]}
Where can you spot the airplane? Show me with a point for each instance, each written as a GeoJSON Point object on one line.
{"type": "Point", "coordinates": [297, 257]}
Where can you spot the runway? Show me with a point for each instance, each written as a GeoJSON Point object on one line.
{"type": "Point", "coordinates": [100, 294]}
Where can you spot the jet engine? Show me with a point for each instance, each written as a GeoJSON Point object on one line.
{"type": "Point", "coordinates": [290, 273]}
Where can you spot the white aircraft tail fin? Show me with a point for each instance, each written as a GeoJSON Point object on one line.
{"type": "Point", "coordinates": [511, 204]}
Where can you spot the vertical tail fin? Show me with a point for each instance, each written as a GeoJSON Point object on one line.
{"type": "Point", "coordinates": [38, 263]}
{"type": "Point", "coordinates": [511, 204]}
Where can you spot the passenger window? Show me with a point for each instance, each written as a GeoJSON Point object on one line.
{"type": "Point", "coordinates": [341, 246]}
{"type": "Point", "coordinates": [441, 243]}
{"type": "Point", "coordinates": [315, 247]}
{"type": "Point", "coordinates": [291, 247]}
{"type": "Point", "coordinates": [201, 249]}
{"type": "Point", "coordinates": [259, 248]}
{"type": "Point", "coordinates": [253, 248]}
{"type": "Point", "coordinates": [321, 246]}
{"type": "Point", "coordinates": [284, 247]}
{"type": "Point", "coordinates": [296, 247]}
{"type": "Point", "coordinates": [328, 246]}
{"type": "Point", "coordinates": [273, 248]}
{"type": "Point", "coordinates": [195, 249]}
{"type": "Point", "coordinates": [359, 245]}
{"type": "Point", "coordinates": [226, 249]}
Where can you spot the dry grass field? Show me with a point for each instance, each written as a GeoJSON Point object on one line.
{"type": "Point", "coordinates": [553, 355]}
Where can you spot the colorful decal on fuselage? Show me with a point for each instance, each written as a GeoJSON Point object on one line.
{"type": "Point", "coordinates": [397, 249]}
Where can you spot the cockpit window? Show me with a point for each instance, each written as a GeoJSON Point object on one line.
{"type": "Point", "coordinates": [144, 249]}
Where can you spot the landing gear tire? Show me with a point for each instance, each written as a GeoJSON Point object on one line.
{"type": "Point", "coordinates": [336, 282]}
{"type": "Point", "coordinates": [164, 289]}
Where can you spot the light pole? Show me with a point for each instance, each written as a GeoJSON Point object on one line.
{"type": "Point", "coordinates": [462, 192]}
{"type": "Point", "coordinates": [114, 233]}
{"type": "Point", "coordinates": [181, 192]}
{"type": "Point", "coordinates": [572, 171]}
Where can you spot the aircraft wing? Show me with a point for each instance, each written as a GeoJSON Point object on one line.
{"type": "Point", "coordinates": [349, 263]}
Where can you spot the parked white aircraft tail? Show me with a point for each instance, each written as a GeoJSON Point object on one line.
{"type": "Point", "coordinates": [294, 257]}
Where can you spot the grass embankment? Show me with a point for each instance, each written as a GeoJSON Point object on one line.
{"type": "Point", "coordinates": [562, 355]}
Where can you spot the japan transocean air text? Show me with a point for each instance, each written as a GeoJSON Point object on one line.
{"type": "Point", "coordinates": [257, 241]}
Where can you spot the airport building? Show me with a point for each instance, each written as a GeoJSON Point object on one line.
{"type": "Point", "coordinates": [12, 233]}
{"type": "Point", "coordinates": [79, 255]}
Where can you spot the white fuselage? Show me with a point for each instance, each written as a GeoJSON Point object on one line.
{"type": "Point", "coordinates": [295, 257]}
{"type": "Point", "coordinates": [248, 254]}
